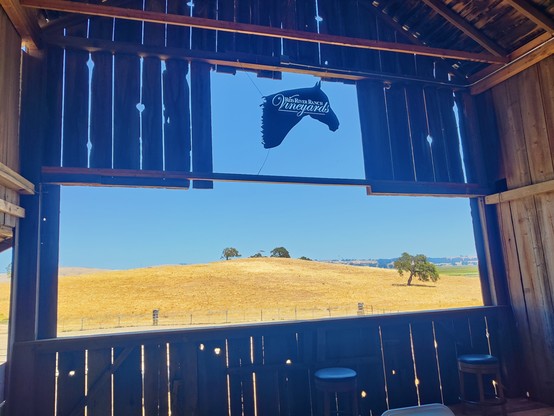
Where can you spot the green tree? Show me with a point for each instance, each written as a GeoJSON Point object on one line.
{"type": "Point", "coordinates": [280, 252]}
{"type": "Point", "coordinates": [304, 258]}
{"type": "Point", "coordinates": [9, 270]}
{"type": "Point", "coordinates": [229, 252]}
{"type": "Point", "coordinates": [417, 266]}
{"type": "Point", "coordinates": [257, 255]}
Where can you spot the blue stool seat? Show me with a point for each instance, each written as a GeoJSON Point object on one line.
{"type": "Point", "coordinates": [334, 380]}
{"type": "Point", "coordinates": [335, 374]}
{"type": "Point", "coordinates": [478, 359]}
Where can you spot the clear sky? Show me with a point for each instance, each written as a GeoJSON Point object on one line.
{"type": "Point", "coordinates": [125, 228]}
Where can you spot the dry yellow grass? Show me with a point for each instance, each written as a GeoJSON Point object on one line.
{"type": "Point", "coordinates": [251, 285]}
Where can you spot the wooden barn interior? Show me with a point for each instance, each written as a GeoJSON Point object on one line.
{"type": "Point", "coordinates": [413, 63]}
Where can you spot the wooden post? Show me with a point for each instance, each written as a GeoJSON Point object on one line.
{"type": "Point", "coordinates": [22, 325]}
{"type": "Point", "coordinates": [49, 227]}
{"type": "Point", "coordinates": [201, 107]}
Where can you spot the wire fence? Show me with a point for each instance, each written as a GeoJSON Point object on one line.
{"type": "Point", "coordinates": [202, 318]}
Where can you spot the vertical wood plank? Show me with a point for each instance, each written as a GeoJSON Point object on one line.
{"type": "Point", "coordinates": [101, 100]}
{"type": "Point", "coordinates": [451, 138]}
{"type": "Point", "coordinates": [375, 133]}
{"type": "Point", "coordinates": [53, 98]}
{"type": "Point", "coordinates": [71, 383]}
{"type": "Point", "coordinates": [267, 382]}
{"type": "Point", "coordinates": [127, 96]}
{"type": "Point", "coordinates": [177, 136]}
{"type": "Point", "coordinates": [155, 379]}
{"type": "Point", "coordinates": [201, 122]}
{"type": "Point", "coordinates": [99, 361]}
{"type": "Point", "coordinates": [127, 389]}
{"type": "Point", "coordinates": [152, 147]}
{"type": "Point", "coordinates": [398, 365]}
{"type": "Point", "coordinates": [178, 36]}
{"type": "Point", "coordinates": [226, 12]}
{"type": "Point", "coordinates": [45, 383]}
{"type": "Point", "coordinates": [426, 362]}
{"type": "Point", "coordinates": [183, 378]}
{"type": "Point", "coordinates": [438, 146]}
{"type": "Point", "coordinates": [47, 300]}
{"type": "Point", "coordinates": [423, 158]}
{"type": "Point", "coordinates": [75, 124]}
{"type": "Point", "coordinates": [401, 147]}
{"type": "Point", "coordinates": [241, 388]}
{"type": "Point", "coordinates": [447, 353]}
{"type": "Point", "coordinates": [546, 79]}
{"type": "Point", "coordinates": [533, 123]}
{"type": "Point", "coordinates": [203, 39]}
{"type": "Point", "coordinates": [332, 23]}
{"type": "Point", "coordinates": [212, 378]}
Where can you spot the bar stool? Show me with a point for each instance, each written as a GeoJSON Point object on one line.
{"type": "Point", "coordinates": [481, 365]}
{"type": "Point", "coordinates": [334, 380]}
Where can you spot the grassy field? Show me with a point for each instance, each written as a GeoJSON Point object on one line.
{"type": "Point", "coordinates": [248, 290]}
{"type": "Point", "coordinates": [468, 271]}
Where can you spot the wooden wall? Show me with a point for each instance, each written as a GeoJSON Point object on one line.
{"type": "Point", "coordinates": [524, 107]}
{"type": "Point", "coordinates": [10, 53]}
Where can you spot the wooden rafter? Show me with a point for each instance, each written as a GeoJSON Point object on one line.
{"type": "Point", "coordinates": [249, 29]}
{"type": "Point", "coordinates": [523, 192]}
{"type": "Point", "coordinates": [454, 19]}
{"type": "Point", "coordinates": [6, 244]}
{"type": "Point", "coordinates": [24, 22]}
{"type": "Point", "coordinates": [520, 60]}
{"type": "Point", "coordinates": [532, 13]}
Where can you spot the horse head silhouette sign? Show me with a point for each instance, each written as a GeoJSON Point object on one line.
{"type": "Point", "coordinates": [283, 110]}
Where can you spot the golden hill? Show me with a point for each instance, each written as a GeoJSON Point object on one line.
{"type": "Point", "coordinates": [252, 285]}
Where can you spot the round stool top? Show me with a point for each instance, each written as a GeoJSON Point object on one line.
{"type": "Point", "coordinates": [478, 359]}
{"type": "Point", "coordinates": [335, 374]}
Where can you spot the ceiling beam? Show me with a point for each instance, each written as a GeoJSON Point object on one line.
{"type": "Point", "coordinates": [24, 22]}
{"type": "Point", "coordinates": [249, 29]}
{"type": "Point", "coordinates": [467, 28]}
{"type": "Point", "coordinates": [242, 61]}
{"type": "Point", "coordinates": [516, 65]}
{"type": "Point", "coordinates": [532, 13]}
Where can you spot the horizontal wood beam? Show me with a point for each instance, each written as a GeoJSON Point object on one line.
{"type": "Point", "coordinates": [178, 180]}
{"type": "Point", "coordinates": [532, 13]}
{"type": "Point", "coordinates": [517, 65]}
{"type": "Point", "coordinates": [14, 181]}
{"type": "Point", "coordinates": [518, 193]}
{"type": "Point", "coordinates": [6, 232]}
{"type": "Point", "coordinates": [249, 29]}
{"type": "Point", "coordinates": [468, 29]}
{"type": "Point", "coordinates": [6, 244]}
{"type": "Point", "coordinates": [11, 209]}
{"type": "Point", "coordinates": [24, 22]}
{"type": "Point", "coordinates": [235, 60]}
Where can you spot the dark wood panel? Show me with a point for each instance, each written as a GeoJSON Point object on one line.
{"type": "Point", "coordinates": [71, 383]}
{"type": "Point", "coordinates": [332, 23]}
{"type": "Point", "coordinates": [101, 117]}
{"type": "Point", "coordinates": [178, 36]}
{"type": "Point", "coordinates": [438, 145]}
{"type": "Point", "coordinates": [53, 100]}
{"type": "Point", "coordinates": [152, 146]}
{"type": "Point", "coordinates": [425, 356]}
{"type": "Point", "coordinates": [398, 363]}
{"type": "Point", "coordinates": [203, 39]}
{"type": "Point", "coordinates": [127, 387]}
{"type": "Point", "coordinates": [374, 128]}
{"type": "Point", "coordinates": [45, 384]}
{"type": "Point", "coordinates": [447, 353]}
{"type": "Point", "coordinates": [75, 121]}
{"type": "Point", "coordinates": [212, 378]}
{"type": "Point", "coordinates": [419, 131]}
{"type": "Point", "coordinates": [450, 133]}
{"type": "Point", "coordinates": [99, 362]}
{"type": "Point", "coordinates": [400, 141]}
{"type": "Point", "coordinates": [241, 386]}
{"type": "Point", "coordinates": [155, 379]}
{"type": "Point", "coordinates": [127, 96]}
{"type": "Point", "coordinates": [177, 136]}
{"type": "Point", "coordinates": [201, 116]}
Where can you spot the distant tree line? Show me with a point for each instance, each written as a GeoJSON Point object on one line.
{"type": "Point", "coordinates": [281, 252]}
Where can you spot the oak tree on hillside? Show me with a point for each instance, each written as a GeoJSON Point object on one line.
{"type": "Point", "coordinates": [417, 266]}
{"type": "Point", "coordinates": [229, 252]}
{"type": "Point", "coordinates": [280, 252]}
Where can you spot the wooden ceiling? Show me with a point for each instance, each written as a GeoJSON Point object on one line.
{"type": "Point", "coordinates": [485, 41]}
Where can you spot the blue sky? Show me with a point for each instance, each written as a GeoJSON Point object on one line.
{"type": "Point", "coordinates": [125, 228]}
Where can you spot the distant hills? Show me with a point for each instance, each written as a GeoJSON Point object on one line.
{"type": "Point", "coordinates": [388, 263]}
